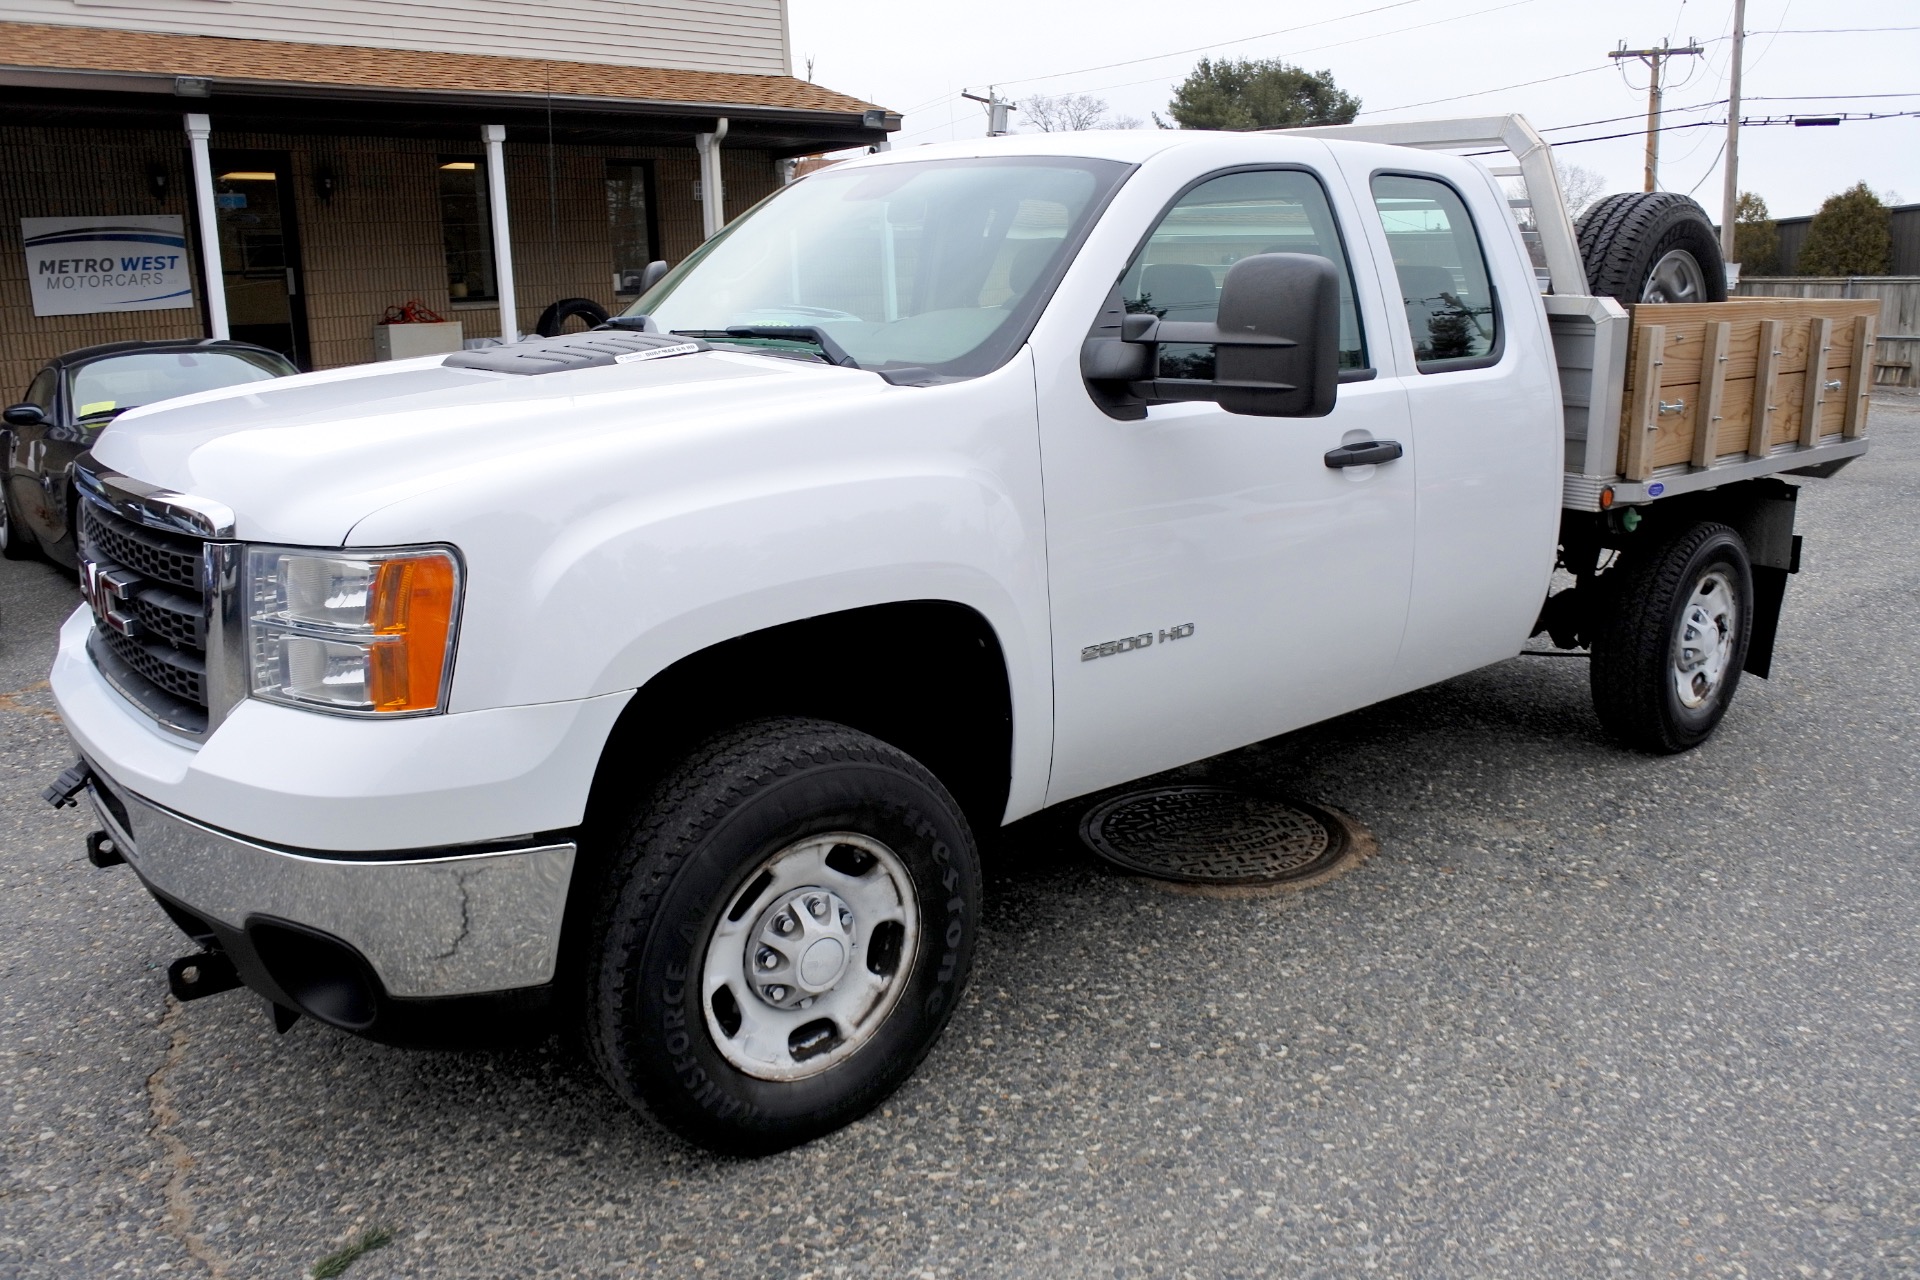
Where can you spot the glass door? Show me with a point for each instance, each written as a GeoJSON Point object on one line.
{"type": "Point", "coordinates": [259, 251]}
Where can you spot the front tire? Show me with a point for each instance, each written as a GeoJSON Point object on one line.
{"type": "Point", "coordinates": [785, 931]}
{"type": "Point", "coordinates": [1672, 640]}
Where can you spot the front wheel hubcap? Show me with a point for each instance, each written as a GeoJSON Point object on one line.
{"type": "Point", "coordinates": [811, 956]}
{"type": "Point", "coordinates": [1703, 649]}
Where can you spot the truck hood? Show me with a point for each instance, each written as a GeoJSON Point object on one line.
{"type": "Point", "coordinates": [303, 459]}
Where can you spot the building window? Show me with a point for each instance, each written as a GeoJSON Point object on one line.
{"type": "Point", "coordinates": [630, 219]}
{"type": "Point", "coordinates": [467, 227]}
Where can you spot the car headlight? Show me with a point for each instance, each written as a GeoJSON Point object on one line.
{"type": "Point", "coordinates": [368, 632]}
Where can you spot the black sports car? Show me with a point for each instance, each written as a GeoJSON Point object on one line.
{"type": "Point", "coordinates": [77, 394]}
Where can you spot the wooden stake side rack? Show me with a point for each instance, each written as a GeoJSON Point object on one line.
{"type": "Point", "coordinates": [1754, 379]}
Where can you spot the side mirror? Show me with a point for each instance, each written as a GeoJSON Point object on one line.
{"type": "Point", "coordinates": [24, 415]}
{"type": "Point", "coordinates": [652, 274]}
{"type": "Point", "coordinates": [1276, 344]}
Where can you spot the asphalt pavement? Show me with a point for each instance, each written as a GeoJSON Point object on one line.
{"type": "Point", "coordinates": [1585, 1013]}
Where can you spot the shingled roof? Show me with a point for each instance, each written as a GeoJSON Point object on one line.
{"type": "Point", "coordinates": [42, 46]}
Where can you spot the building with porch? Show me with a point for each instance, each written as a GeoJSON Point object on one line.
{"type": "Point", "coordinates": [339, 159]}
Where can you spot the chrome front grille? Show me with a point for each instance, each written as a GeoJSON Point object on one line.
{"type": "Point", "coordinates": [155, 554]}
{"type": "Point", "coordinates": [150, 610]}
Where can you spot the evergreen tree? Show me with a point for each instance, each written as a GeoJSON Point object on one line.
{"type": "Point", "coordinates": [1262, 93]}
{"type": "Point", "coordinates": [1852, 235]}
{"type": "Point", "coordinates": [1756, 237]}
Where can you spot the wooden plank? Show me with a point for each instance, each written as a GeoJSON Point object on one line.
{"type": "Point", "coordinates": [1859, 379]}
{"type": "Point", "coordinates": [1686, 344]}
{"type": "Point", "coordinates": [1760, 423]}
{"type": "Point", "coordinates": [1670, 314]}
{"type": "Point", "coordinates": [1643, 400]}
{"type": "Point", "coordinates": [1819, 347]}
{"type": "Point", "coordinates": [1713, 386]}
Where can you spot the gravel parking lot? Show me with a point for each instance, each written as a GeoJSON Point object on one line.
{"type": "Point", "coordinates": [1585, 1013]}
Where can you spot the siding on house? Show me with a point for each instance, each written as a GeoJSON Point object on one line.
{"type": "Point", "coordinates": [699, 35]}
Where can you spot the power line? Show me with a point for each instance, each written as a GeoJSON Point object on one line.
{"type": "Point", "coordinates": [1781, 121]}
{"type": "Point", "coordinates": [1481, 93]}
{"type": "Point", "coordinates": [1336, 44]}
{"type": "Point", "coordinates": [1218, 44]}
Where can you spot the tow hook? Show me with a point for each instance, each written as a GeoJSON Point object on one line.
{"type": "Point", "coordinates": [68, 785]}
{"type": "Point", "coordinates": [101, 850]}
{"type": "Point", "coordinates": [196, 977]}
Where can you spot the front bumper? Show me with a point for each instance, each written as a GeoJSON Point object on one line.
{"type": "Point", "coordinates": [295, 779]}
{"type": "Point", "coordinates": [404, 927]}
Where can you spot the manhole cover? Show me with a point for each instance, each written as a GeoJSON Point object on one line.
{"type": "Point", "coordinates": [1218, 836]}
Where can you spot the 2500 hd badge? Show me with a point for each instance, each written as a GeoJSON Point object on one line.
{"type": "Point", "coordinates": [1126, 644]}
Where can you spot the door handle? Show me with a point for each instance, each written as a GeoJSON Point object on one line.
{"type": "Point", "coordinates": [1364, 454]}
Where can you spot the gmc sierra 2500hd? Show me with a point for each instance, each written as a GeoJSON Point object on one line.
{"type": "Point", "coordinates": [662, 675]}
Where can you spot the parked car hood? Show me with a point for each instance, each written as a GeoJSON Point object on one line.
{"type": "Point", "coordinates": [302, 459]}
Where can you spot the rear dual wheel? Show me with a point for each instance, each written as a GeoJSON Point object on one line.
{"type": "Point", "coordinates": [785, 932]}
{"type": "Point", "coordinates": [1672, 640]}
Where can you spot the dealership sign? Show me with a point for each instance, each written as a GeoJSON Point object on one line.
{"type": "Point", "coordinates": [77, 266]}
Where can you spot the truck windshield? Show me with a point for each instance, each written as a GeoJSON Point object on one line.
{"type": "Point", "coordinates": [941, 264]}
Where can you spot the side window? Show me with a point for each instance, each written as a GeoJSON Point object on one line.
{"type": "Point", "coordinates": [1442, 271]}
{"type": "Point", "coordinates": [1177, 273]}
{"type": "Point", "coordinates": [41, 390]}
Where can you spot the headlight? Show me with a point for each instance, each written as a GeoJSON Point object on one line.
{"type": "Point", "coordinates": [368, 632]}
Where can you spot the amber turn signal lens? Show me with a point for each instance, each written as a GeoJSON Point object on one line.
{"type": "Point", "coordinates": [412, 606]}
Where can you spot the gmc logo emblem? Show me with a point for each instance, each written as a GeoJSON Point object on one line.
{"type": "Point", "coordinates": [106, 588]}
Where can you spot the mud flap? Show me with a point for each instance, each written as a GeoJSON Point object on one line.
{"type": "Point", "coordinates": [1769, 595]}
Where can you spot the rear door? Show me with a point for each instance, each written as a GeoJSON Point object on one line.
{"type": "Point", "coordinates": [1214, 581]}
{"type": "Point", "coordinates": [1470, 348]}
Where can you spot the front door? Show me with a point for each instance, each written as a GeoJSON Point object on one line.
{"type": "Point", "coordinates": [260, 251]}
{"type": "Point", "coordinates": [1214, 581]}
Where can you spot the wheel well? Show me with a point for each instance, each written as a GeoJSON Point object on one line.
{"type": "Point", "coordinates": [1760, 511]}
{"type": "Point", "coordinates": [927, 676]}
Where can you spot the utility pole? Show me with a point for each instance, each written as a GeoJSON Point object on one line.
{"type": "Point", "coordinates": [1730, 198]}
{"type": "Point", "coordinates": [997, 111]}
{"type": "Point", "coordinates": [1657, 60]}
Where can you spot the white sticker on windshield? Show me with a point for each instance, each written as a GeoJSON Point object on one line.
{"type": "Point", "coordinates": [658, 353]}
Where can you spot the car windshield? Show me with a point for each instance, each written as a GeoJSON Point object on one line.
{"type": "Point", "coordinates": [109, 387]}
{"type": "Point", "coordinates": [940, 264]}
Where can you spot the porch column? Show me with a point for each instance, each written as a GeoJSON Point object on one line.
{"type": "Point", "coordinates": [213, 280]}
{"type": "Point", "coordinates": [495, 135]}
{"type": "Point", "coordinates": [713, 195]}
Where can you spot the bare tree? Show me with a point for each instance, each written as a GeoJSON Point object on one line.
{"type": "Point", "coordinates": [1070, 112]}
{"type": "Point", "coordinates": [1580, 186]}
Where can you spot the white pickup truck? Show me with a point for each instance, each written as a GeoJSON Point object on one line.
{"type": "Point", "coordinates": [659, 678]}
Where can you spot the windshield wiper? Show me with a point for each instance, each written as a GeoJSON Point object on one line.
{"type": "Point", "coordinates": [829, 346]}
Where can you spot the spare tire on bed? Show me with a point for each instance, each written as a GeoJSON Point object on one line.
{"type": "Point", "coordinates": [1652, 246]}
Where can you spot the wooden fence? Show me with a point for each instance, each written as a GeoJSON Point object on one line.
{"type": "Point", "coordinates": [1897, 360]}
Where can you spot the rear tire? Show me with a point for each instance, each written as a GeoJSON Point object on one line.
{"type": "Point", "coordinates": [1672, 639]}
{"type": "Point", "coordinates": [785, 931]}
{"type": "Point", "coordinates": [1655, 246]}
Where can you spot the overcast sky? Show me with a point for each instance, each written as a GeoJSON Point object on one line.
{"type": "Point", "coordinates": [1394, 55]}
